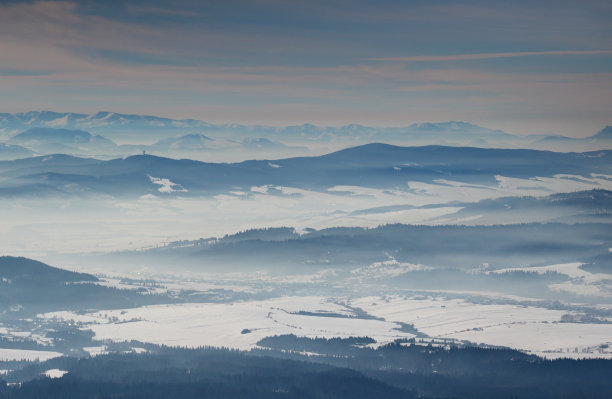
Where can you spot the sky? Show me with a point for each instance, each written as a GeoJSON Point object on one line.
{"type": "Point", "coordinates": [540, 67]}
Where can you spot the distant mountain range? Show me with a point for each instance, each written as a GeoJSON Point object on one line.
{"type": "Point", "coordinates": [117, 126]}
{"type": "Point", "coordinates": [46, 132]}
{"type": "Point", "coordinates": [48, 140]}
{"type": "Point", "coordinates": [603, 137]}
{"type": "Point", "coordinates": [373, 165]}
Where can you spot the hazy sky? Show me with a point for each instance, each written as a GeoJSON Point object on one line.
{"type": "Point", "coordinates": [523, 66]}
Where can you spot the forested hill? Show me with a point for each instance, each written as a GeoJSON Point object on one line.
{"type": "Point", "coordinates": [23, 270]}
{"type": "Point", "coordinates": [28, 287]}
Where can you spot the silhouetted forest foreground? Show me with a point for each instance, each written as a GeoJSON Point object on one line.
{"type": "Point", "coordinates": [284, 367]}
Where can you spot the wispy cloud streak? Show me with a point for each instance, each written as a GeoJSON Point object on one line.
{"type": "Point", "coordinates": [486, 56]}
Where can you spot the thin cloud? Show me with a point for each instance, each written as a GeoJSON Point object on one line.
{"type": "Point", "coordinates": [486, 56]}
{"type": "Point", "coordinates": [310, 64]}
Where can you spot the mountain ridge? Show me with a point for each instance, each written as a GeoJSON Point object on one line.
{"type": "Point", "coordinates": [374, 165]}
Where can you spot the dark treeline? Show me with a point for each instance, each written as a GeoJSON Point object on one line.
{"type": "Point", "coordinates": [599, 264]}
{"type": "Point", "coordinates": [200, 374]}
{"type": "Point", "coordinates": [327, 346]}
{"type": "Point", "coordinates": [399, 370]}
{"type": "Point", "coordinates": [451, 371]}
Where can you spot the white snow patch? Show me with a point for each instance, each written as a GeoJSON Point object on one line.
{"type": "Point", "coordinates": [166, 185]}
{"type": "Point", "coordinates": [55, 373]}
{"type": "Point", "coordinates": [58, 122]}
{"type": "Point", "coordinates": [387, 269]}
{"type": "Point", "coordinates": [273, 165]}
{"type": "Point", "coordinates": [96, 350]}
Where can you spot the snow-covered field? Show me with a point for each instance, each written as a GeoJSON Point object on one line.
{"type": "Point", "coordinates": [235, 325]}
{"type": "Point", "coordinates": [242, 324]}
{"type": "Point", "coordinates": [531, 329]}
{"type": "Point", "coordinates": [29, 355]}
